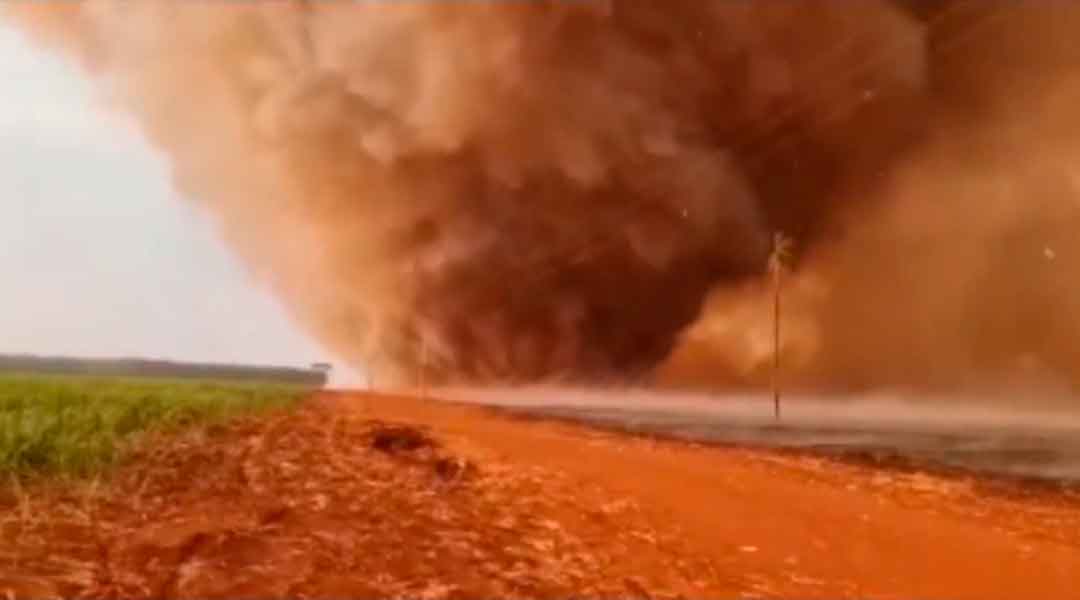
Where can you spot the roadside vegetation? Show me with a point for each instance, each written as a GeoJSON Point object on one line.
{"type": "Point", "coordinates": [67, 425]}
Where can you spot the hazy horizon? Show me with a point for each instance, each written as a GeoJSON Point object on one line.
{"type": "Point", "coordinates": [101, 256]}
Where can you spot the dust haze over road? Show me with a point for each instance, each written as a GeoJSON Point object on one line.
{"type": "Point", "coordinates": [966, 433]}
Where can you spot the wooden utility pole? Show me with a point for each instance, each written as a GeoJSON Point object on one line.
{"type": "Point", "coordinates": [423, 368]}
{"type": "Point", "coordinates": [776, 345]}
{"type": "Point", "coordinates": [777, 262]}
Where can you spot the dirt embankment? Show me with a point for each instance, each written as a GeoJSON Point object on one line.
{"type": "Point", "coordinates": [364, 496]}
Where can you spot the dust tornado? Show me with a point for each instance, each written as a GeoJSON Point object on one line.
{"type": "Point", "coordinates": [521, 191]}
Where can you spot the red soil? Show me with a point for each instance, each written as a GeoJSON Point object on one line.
{"type": "Point", "coordinates": [365, 496]}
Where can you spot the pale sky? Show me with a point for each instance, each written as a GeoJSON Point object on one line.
{"type": "Point", "coordinates": [98, 255]}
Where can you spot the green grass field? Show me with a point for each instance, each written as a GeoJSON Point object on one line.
{"type": "Point", "coordinates": [77, 425]}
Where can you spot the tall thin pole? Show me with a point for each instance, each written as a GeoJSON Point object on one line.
{"type": "Point", "coordinates": [776, 343]}
{"type": "Point", "coordinates": [777, 262]}
{"type": "Point", "coordinates": [423, 368]}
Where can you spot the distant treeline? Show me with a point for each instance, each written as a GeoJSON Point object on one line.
{"type": "Point", "coordinates": [161, 368]}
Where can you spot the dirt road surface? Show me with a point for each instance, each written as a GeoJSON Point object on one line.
{"type": "Point", "coordinates": [368, 496]}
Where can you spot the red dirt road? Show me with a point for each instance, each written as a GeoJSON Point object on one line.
{"type": "Point", "coordinates": [475, 504]}
{"type": "Point", "coordinates": [801, 526]}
